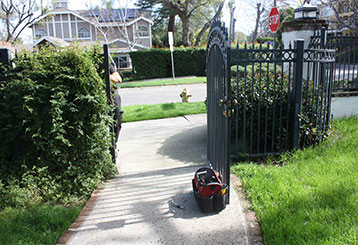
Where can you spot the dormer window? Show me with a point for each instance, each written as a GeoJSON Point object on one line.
{"type": "Point", "coordinates": [84, 33]}
{"type": "Point", "coordinates": [41, 33]}
{"type": "Point", "coordinates": [143, 31]}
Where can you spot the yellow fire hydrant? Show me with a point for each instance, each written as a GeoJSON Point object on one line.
{"type": "Point", "coordinates": [185, 95]}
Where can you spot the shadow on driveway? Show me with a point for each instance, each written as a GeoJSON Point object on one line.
{"type": "Point", "coordinates": [188, 146]}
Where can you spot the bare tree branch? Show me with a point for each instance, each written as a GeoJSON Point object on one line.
{"type": "Point", "coordinates": [17, 15]}
{"type": "Point", "coordinates": [208, 24]}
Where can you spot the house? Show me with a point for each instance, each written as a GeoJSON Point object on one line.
{"type": "Point", "coordinates": [124, 30]}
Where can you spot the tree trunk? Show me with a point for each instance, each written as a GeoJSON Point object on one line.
{"type": "Point", "coordinates": [201, 33]}
{"type": "Point", "coordinates": [185, 30]}
{"type": "Point", "coordinates": [207, 25]}
{"type": "Point", "coordinates": [171, 23]}
{"type": "Point", "coordinates": [258, 16]}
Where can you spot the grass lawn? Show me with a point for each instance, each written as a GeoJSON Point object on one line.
{"type": "Point", "coordinates": [150, 83]}
{"type": "Point", "coordinates": [40, 224]}
{"type": "Point", "coordinates": [311, 196]}
{"type": "Point", "coordinates": [147, 112]}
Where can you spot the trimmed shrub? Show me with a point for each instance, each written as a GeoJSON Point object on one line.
{"type": "Point", "coordinates": [54, 118]}
{"type": "Point", "coordinates": [264, 39]}
{"type": "Point", "coordinates": [271, 97]}
{"type": "Point", "coordinates": [156, 63]}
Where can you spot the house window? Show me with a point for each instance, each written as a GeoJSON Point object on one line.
{"type": "Point", "coordinates": [143, 31]}
{"type": "Point", "coordinates": [40, 33]}
{"type": "Point", "coordinates": [122, 61]}
{"type": "Point", "coordinates": [83, 33]}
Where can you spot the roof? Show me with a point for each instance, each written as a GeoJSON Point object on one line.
{"type": "Point", "coordinates": [54, 40]}
{"type": "Point", "coordinates": [104, 16]}
{"type": "Point", "coordinates": [60, 11]}
{"type": "Point", "coordinates": [113, 15]}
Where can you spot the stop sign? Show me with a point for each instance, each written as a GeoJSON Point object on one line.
{"type": "Point", "coordinates": [274, 19]}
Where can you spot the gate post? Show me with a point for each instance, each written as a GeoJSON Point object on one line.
{"type": "Point", "coordinates": [5, 55]}
{"type": "Point", "coordinates": [109, 97]}
{"type": "Point", "coordinates": [297, 94]}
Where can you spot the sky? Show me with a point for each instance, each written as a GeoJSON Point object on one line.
{"type": "Point", "coordinates": [244, 14]}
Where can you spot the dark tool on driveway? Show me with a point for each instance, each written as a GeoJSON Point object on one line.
{"type": "Point", "coordinates": [209, 191]}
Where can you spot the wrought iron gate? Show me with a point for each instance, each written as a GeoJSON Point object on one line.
{"type": "Point", "coordinates": [284, 99]}
{"type": "Point", "coordinates": [219, 101]}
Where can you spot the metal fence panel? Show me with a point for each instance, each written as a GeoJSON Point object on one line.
{"type": "Point", "coordinates": [345, 75]}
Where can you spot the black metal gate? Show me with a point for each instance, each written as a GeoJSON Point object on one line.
{"type": "Point", "coordinates": [277, 99]}
{"type": "Point", "coordinates": [219, 101]}
{"type": "Point", "coordinates": [345, 72]}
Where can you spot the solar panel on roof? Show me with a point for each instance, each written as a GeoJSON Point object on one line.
{"type": "Point", "coordinates": [113, 15]}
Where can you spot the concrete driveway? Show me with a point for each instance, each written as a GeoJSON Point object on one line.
{"type": "Point", "coordinates": [161, 94]}
{"type": "Point", "coordinates": [151, 200]}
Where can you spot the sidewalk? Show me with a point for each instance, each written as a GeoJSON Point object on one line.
{"type": "Point", "coordinates": [157, 160]}
{"type": "Point", "coordinates": [161, 94]}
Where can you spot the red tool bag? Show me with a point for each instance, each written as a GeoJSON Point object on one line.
{"type": "Point", "coordinates": [209, 191]}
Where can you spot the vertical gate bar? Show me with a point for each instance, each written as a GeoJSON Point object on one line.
{"type": "Point", "coordinates": [244, 119]}
{"type": "Point", "coordinates": [228, 118]}
{"type": "Point", "coordinates": [273, 104]}
{"type": "Point", "coordinates": [289, 96]}
{"type": "Point", "coordinates": [297, 93]}
{"type": "Point", "coordinates": [307, 84]}
{"type": "Point", "coordinates": [354, 60]}
{"type": "Point", "coordinates": [330, 88]}
{"type": "Point", "coordinates": [237, 110]}
{"type": "Point", "coordinates": [340, 61]}
{"type": "Point", "coordinates": [280, 122]}
{"type": "Point", "coordinates": [355, 65]}
{"type": "Point", "coordinates": [314, 74]}
{"type": "Point", "coordinates": [209, 76]}
{"type": "Point", "coordinates": [109, 97]}
{"type": "Point", "coordinates": [335, 47]}
{"type": "Point", "coordinates": [345, 58]}
{"type": "Point", "coordinates": [252, 107]}
{"type": "Point", "coordinates": [323, 38]}
{"type": "Point", "coordinates": [323, 82]}
{"type": "Point", "coordinates": [322, 73]}
{"type": "Point", "coordinates": [266, 109]}
{"type": "Point", "coordinates": [309, 64]}
{"type": "Point", "coordinates": [328, 67]}
{"type": "Point", "coordinates": [318, 84]}
{"type": "Point", "coordinates": [349, 61]}
{"type": "Point", "coordinates": [259, 106]}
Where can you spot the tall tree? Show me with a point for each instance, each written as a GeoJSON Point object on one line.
{"type": "Point", "coordinates": [185, 9]}
{"type": "Point", "coordinates": [259, 10]}
{"type": "Point", "coordinates": [16, 15]}
{"type": "Point", "coordinates": [232, 8]}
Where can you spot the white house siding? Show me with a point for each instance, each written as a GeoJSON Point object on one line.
{"type": "Point", "coordinates": [65, 25]}
{"type": "Point", "coordinates": [130, 33]}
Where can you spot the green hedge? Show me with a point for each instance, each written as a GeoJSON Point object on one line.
{"type": "Point", "coordinates": [264, 39]}
{"type": "Point", "coordinates": [54, 120]}
{"type": "Point", "coordinates": [156, 63]}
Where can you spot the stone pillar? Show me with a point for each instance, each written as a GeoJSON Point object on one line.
{"type": "Point", "coordinates": [303, 26]}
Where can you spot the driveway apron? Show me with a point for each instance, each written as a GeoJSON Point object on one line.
{"type": "Point", "coordinates": [151, 201]}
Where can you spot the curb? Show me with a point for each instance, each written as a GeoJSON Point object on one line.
{"type": "Point", "coordinates": [85, 212]}
{"type": "Point", "coordinates": [254, 229]}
